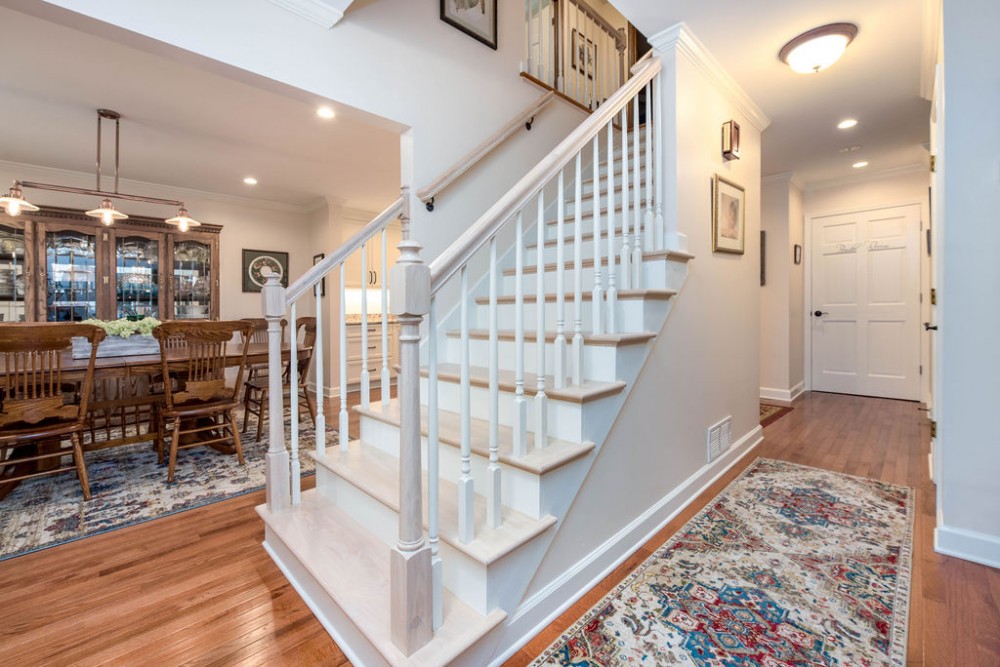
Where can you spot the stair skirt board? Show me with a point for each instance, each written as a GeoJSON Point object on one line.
{"type": "Point", "coordinates": [539, 610]}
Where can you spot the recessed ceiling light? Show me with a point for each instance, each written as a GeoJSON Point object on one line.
{"type": "Point", "coordinates": [325, 112]}
{"type": "Point", "coordinates": [850, 149]}
{"type": "Point", "coordinates": [817, 49]}
{"type": "Point", "coordinates": [250, 180]}
{"type": "Point", "coordinates": [847, 124]}
{"type": "Point", "coordinates": [860, 165]}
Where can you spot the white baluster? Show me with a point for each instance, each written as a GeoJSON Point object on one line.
{"type": "Point", "coordinates": [293, 400]}
{"type": "Point", "coordinates": [366, 380]}
{"type": "Point", "coordinates": [528, 58]}
{"type": "Point", "coordinates": [597, 295]}
{"type": "Point", "coordinates": [276, 460]}
{"type": "Point", "coordinates": [578, 277]}
{"type": "Point", "coordinates": [637, 201]}
{"type": "Point", "coordinates": [433, 465]}
{"type": "Point", "coordinates": [385, 380]}
{"type": "Point", "coordinates": [318, 382]}
{"type": "Point", "coordinates": [612, 305]}
{"type": "Point", "coordinates": [344, 434]}
{"type": "Point", "coordinates": [626, 261]}
{"type": "Point", "coordinates": [543, 51]}
{"type": "Point", "coordinates": [519, 424]}
{"type": "Point", "coordinates": [652, 242]}
{"type": "Point", "coordinates": [559, 347]}
{"type": "Point", "coordinates": [541, 400]}
{"type": "Point", "coordinates": [494, 515]}
{"type": "Point", "coordinates": [538, 27]}
{"type": "Point", "coordinates": [658, 161]}
{"type": "Point", "coordinates": [466, 499]}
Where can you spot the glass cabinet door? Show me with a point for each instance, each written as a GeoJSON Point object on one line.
{"type": "Point", "coordinates": [70, 276]}
{"type": "Point", "coordinates": [12, 275]}
{"type": "Point", "coordinates": [137, 267]}
{"type": "Point", "coordinates": [192, 280]}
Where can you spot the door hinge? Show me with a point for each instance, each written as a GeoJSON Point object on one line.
{"type": "Point", "coordinates": [933, 296]}
{"type": "Point", "coordinates": [921, 369]}
{"type": "Point", "coordinates": [921, 297]}
{"type": "Point", "coordinates": [933, 428]}
{"type": "Point", "coordinates": [933, 163]}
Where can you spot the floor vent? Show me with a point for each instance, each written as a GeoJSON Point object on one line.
{"type": "Point", "coordinates": [720, 437]}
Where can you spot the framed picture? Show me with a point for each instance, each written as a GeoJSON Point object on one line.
{"type": "Point", "coordinates": [254, 263]}
{"type": "Point", "coordinates": [322, 283]}
{"type": "Point", "coordinates": [797, 254]}
{"type": "Point", "coordinates": [728, 216]}
{"type": "Point", "coordinates": [583, 54]}
{"type": "Point", "coordinates": [476, 18]}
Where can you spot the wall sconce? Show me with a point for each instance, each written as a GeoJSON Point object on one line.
{"type": "Point", "coordinates": [731, 140]}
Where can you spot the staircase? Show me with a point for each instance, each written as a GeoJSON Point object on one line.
{"type": "Point", "coordinates": [519, 385]}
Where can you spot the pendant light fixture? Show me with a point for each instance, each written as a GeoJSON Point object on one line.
{"type": "Point", "coordinates": [14, 203]}
{"type": "Point", "coordinates": [815, 50]}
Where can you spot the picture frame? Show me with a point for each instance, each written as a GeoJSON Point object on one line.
{"type": "Point", "coordinates": [583, 54]}
{"type": "Point", "coordinates": [254, 261]}
{"type": "Point", "coordinates": [476, 18]}
{"type": "Point", "coordinates": [317, 258]}
{"type": "Point", "coordinates": [797, 254]}
{"type": "Point", "coordinates": [728, 216]}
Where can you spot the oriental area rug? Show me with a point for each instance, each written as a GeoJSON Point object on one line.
{"type": "Point", "coordinates": [790, 565]}
{"type": "Point", "coordinates": [128, 486]}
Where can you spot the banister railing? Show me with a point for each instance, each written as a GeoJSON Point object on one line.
{"type": "Point", "coordinates": [525, 117]}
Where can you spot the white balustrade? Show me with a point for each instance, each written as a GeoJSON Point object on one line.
{"type": "Point", "coordinates": [433, 464]}
{"type": "Point", "coordinates": [612, 294]}
{"type": "Point", "coordinates": [626, 260]}
{"type": "Point", "coordinates": [650, 218]}
{"type": "Point", "coordinates": [541, 400]}
{"type": "Point", "coordinates": [578, 275]}
{"type": "Point", "coordinates": [597, 296]}
{"type": "Point", "coordinates": [365, 380]}
{"type": "Point", "coordinates": [520, 419]}
{"type": "Point", "coordinates": [494, 514]}
{"type": "Point", "coordinates": [559, 351]}
{"type": "Point", "coordinates": [636, 282]}
{"type": "Point", "coordinates": [384, 379]}
{"type": "Point", "coordinates": [344, 417]}
{"type": "Point", "coordinates": [466, 499]}
{"type": "Point", "coordinates": [293, 404]}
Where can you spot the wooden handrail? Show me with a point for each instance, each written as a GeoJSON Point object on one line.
{"type": "Point", "coordinates": [465, 246]}
{"type": "Point", "coordinates": [314, 274]}
{"type": "Point", "coordinates": [428, 193]}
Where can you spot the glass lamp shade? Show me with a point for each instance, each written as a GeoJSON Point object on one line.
{"type": "Point", "coordinates": [817, 49]}
{"type": "Point", "coordinates": [14, 203]}
{"type": "Point", "coordinates": [183, 221]}
{"type": "Point", "coordinates": [106, 213]}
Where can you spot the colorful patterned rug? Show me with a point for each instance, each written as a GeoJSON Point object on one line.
{"type": "Point", "coordinates": [790, 565]}
{"type": "Point", "coordinates": [770, 413]}
{"type": "Point", "coordinates": [129, 487]}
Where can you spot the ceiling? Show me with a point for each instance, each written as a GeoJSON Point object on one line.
{"type": "Point", "coordinates": [182, 125]}
{"type": "Point", "coordinates": [877, 81]}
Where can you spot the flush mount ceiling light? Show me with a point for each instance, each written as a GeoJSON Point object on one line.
{"type": "Point", "coordinates": [325, 112]}
{"type": "Point", "coordinates": [847, 124]}
{"type": "Point", "coordinates": [14, 203]}
{"type": "Point", "coordinates": [817, 49]}
{"type": "Point", "coordinates": [860, 165]}
{"type": "Point", "coordinates": [250, 180]}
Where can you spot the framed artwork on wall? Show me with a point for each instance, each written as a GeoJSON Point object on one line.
{"type": "Point", "coordinates": [476, 18]}
{"type": "Point", "coordinates": [728, 216]}
{"type": "Point", "coordinates": [583, 54]}
{"type": "Point", "coordinates": [322, 283]}
{"type": "Point", "coordinates": [254, 263]}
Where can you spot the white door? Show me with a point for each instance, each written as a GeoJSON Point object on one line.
{"type": "Point", "coordinates": [864, 307]}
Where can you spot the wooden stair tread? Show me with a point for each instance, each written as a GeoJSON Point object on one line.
{"type": "Point", "coordinates": [538, 461]}
{"type": "Point", "coordinates": [589, 262]}
{"type": "Point", "coordinates": [479, 376]}
{"type": "Point", "coordinates": [377, 474]}
{"type": "Point", "coordinates": [352, 566]}
{"type": "Point", "coordinates": [623, 295]}
{"type": "Point", "coordinates": [605, 340]}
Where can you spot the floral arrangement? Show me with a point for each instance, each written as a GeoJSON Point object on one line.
{"type": "Point", "coordinates": [124, 328]}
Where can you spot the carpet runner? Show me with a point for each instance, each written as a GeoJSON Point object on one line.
{"type": "Point", "coordinates": [129, 487]}
{"type": "Point", "coordinates": [789, 565]}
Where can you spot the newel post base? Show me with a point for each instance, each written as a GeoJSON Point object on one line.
{"type": "Point", "coordinates": [411, 598]}
{"type": "Point", "coordinates": [276, 460]}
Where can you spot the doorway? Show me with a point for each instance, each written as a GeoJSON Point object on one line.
{"type": "Point", "coordinates": [863, 286]}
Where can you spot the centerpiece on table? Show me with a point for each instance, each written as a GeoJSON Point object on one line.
{"type": "Point", "coordinates": [127, 336]}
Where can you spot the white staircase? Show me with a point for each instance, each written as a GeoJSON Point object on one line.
{"type": "Point", "coordinates": [519, 386]}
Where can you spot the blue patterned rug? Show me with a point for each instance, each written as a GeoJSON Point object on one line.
{"type": "Point", "coordinates": [129, 487]}
{"type": "Point", "coordinates": [789, 565]}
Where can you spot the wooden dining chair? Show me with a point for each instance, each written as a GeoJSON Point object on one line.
{"type": "Point", "coordinates": [198, 404]}
{"type": "Point", "coordinates": [256, 389]}
{"type": "Point", "coordinates": [43, 403]}
{"type": "Point", "coordinates": [259, 336]}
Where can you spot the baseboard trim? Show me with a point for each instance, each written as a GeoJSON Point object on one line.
{"type": "Point", "coordinates": [782, 396]}
{"type": "Point", "coordinates": [591, 570]}
{"type": "Point", "coordinates": [968, 545]}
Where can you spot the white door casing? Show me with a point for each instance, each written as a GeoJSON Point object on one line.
{"type": "Point", "coordinates": [865, 277]}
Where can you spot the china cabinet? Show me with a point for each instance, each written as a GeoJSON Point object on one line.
{"type": "Point", "coordinates": [61, 265]}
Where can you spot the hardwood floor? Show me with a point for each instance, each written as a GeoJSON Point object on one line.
{"type": "Point", "coordinates": [196, 588]}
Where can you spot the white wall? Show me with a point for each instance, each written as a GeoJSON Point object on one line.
{"type": "Point", "coordinates": [969, 273]}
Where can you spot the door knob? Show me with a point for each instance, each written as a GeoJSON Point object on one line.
{"type": "Point", "coordinates": [930, 327]}
{"type": "Point", "coordinates": [820, 313]}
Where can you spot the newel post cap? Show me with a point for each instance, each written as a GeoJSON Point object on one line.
{"type": "Point", "coordinates": [410, 282]}
{"type": "Point", "coordinates": [272, 295]}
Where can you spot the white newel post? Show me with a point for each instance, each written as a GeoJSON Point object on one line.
{"type": "Point", "coordinates": [411, 557]}
{"type": "Point", "coordinates": [276, 471]}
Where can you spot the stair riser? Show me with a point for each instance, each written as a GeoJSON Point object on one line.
{"type": "Point", "coordinates": [587, 200]}
{"type": "Point", "coordinates": [599, 361]}
{"type": "Point", "coordinates": [586, 247]}
{"type": "Point", "coordinates": [565, 418]}
{"type": "Point", "coordinates": [654, 271]}
{"type": "Point", "coordinates": [587, 222]}
{"type": "Point", "coordinates": [631, 315]}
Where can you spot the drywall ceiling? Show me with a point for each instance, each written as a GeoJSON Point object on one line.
{"type": "Point", "coordinates": [877, 81]}
{"type": "Point", "coordinates": [182, 125]}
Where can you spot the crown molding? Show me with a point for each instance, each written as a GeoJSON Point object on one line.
{"type": "Point", "coordinates": [871, 176]}
{"type": "Point", "coordinates": [169, 191]}
{"type": "Point", "coordinates": [787, 178]}
{"type": "Point", "coordinates": [679, 38]}
{"type": "Point", "coordinates": [930, 43]}
{"type": "Point", "coordinates": [325, 13]}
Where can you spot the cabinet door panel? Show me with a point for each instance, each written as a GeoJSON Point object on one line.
{"type": "Point", "coordinates": [16, 283]}
{"type": "Point", "coordinates": [73, 273]}
{"type": "Point", "coordinates": [138, 260]}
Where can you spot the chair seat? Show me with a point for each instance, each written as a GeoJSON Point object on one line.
{"type": "Point", "coordinates": [197, 409]}
{"type": "Point", "coordinates": [45, 429]}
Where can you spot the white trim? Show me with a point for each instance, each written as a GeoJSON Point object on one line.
{"type": "Point", "coordinates": [968, 545]}
{"type": "Point", "coordinates": [592, 569]}
{"type": "Point", "coordinates": [321, 12]}
{"type": "Point", "coordinates": [782, 395]}
{"type": "Point", "coordinates": [786, 177]}
{"type": "Point", "coordinates": [929, 44]}
{"type": "Point", "coordinates": [681, 38]}
{"type": "Point", "coordinates": [863, 177]}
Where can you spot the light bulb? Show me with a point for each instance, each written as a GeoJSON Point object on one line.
{"type": "Point", "coordinates": [13, 208]}
{"type": "Point", "coordinates": [183, 225]}
{"type": "Point", "coordinates": [107, 218]}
